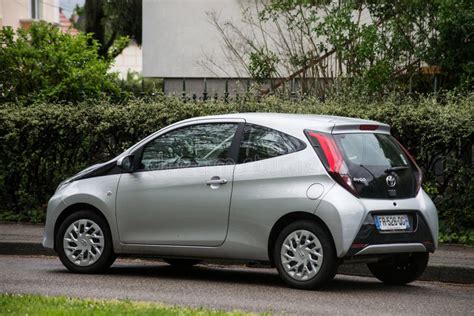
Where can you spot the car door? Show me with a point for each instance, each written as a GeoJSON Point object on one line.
{"type": "Point", "coordinates": [270, 181]}
{"type": "Point", "coordinates": [180, 192]}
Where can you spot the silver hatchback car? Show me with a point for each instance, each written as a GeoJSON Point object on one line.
{"type": "Point", "coordinates": [304, 193]}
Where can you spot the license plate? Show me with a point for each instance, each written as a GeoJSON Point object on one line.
{"type": "Point", "coordinates": [392, 222]}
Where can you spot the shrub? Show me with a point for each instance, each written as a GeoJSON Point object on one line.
{"type": "Point", "coordinates": [44, 64]}
{"type": "Point", "coordinates": [43, 144]}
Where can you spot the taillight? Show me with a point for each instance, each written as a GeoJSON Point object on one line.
{"type": "Point", "coordinates": [419, 174]}
{"type": "Point", "coordinates": [334, 161]}
{"type": "Point", "coordinates": [368, 127]}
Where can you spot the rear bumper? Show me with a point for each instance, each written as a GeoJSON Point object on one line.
{"type": "Point", "coordinates": [391, 248]}
{"type": "Point", "coordinates": [370, 241]}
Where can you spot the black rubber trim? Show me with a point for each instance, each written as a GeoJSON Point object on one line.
{"type": "Point", "coordinates": [233, 152]}
{"type": "Point", "coordinates": [109, 168]}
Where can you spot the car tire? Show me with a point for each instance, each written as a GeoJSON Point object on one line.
{"type": "Point", "coordinates": [400, 269]}
{"type": "Point", "coordinates": [91, 238]}
{"type": "Point", "coordinates": [294, 260]}
{"type": "Point", "coordinates": [182, 263]}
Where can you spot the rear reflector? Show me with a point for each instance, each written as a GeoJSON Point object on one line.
{"type": "Point", "coordinates": [358, 245]}
{"type": "Point", "coordinates": [368, 127]}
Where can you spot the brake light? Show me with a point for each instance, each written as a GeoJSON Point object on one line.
{"type": "Point", "coordinates": [368, 127]}
{"type": "Point", "coordinates": [336, 165]}
{"type": "Point", "coordinates": [419, 174]}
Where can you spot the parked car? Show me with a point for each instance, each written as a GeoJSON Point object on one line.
{"type": "Point", "coordinates": [302, 192]}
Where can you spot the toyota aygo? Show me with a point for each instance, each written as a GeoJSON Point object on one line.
{"type": "Point", "coordinates": [304, 193]}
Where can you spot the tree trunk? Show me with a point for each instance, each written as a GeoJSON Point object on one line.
{"type": "Point", "coordinates": [94, 14]}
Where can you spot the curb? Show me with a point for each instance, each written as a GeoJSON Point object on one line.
{"type": "Point", "coordinates": [24, 249]}
{"type": "Point", "coordinates": [439, 273]}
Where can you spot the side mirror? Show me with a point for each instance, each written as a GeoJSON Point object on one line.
{"type": "Point", "coordinates": [125, 163]}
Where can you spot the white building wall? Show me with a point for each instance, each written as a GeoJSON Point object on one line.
{"type": "Point", "coordinates": [130, 60]}
{"type": "Point", "coordinates": [11, 12]}
{"type": "Point", "coordinates": [17, 13]}
{"type": "Point", "coordinates": [50, 11]}
{"type": "Point", "coordinates": [181, 42]}
{"type": "Point", "coordinates": [178, 36]}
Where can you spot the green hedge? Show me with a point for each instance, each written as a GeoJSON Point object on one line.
{"type": "Point", "coordinates": [42, 145]}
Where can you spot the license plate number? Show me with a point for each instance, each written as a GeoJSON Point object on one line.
{"type": "Point", "coordinates": [392, 222]}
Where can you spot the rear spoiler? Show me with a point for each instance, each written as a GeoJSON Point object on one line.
{"type": "Point", "coordinates": [363, 127]}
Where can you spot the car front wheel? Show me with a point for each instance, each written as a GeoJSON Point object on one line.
{"type": "Point", "coordinates": [305, 256]}
{"type": "Point", "coordinates": [84, 243]}
{"type": "Point", "coordinates": [400, 269]}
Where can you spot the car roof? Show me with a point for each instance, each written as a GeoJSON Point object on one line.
{"type": "Point", "coordinates": [296, 123]}
{"type": "Point", "coordinates": [295, 117]}
{"type": "Point", "coordinates": [292, 124]}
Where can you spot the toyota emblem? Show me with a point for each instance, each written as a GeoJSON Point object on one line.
{"type": "Point", "coordinates": [391, 180]}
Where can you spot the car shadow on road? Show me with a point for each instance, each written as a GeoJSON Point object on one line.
{"type": "Point", "coordinates": [201, 273]}
{"type": "Point", "coordinates": [241, 275]}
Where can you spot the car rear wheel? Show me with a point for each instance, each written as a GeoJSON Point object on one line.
{"type": "Point", "coordinates": [305, 256]}
{"type": "Point", "coordinates": [182, 263]}
{"type": "Point", "coordinates": [400, 269]}
{"type": "Point", "coordinates": [84, 243]}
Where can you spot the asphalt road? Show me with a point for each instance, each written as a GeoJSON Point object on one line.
{"type": "Point", "coordinates": [232, 288]}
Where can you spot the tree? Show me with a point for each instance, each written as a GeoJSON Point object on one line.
{"type": "Point", "coordinates": [45, 64]}
{"type": "Point", "coordinates": [112, 24]}
{"type": "Point", "coordinates": [453, 46]}
{"type": "Point", "coordinates": [374, 46]}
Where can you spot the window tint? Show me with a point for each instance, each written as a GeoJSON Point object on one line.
{"type": "Point", "coordinates": [372, 150]}
{"type": "Point", "coordinates": [193, 146]}
{"type": "Point", "coordinates": [369, 159]}
{"type": "Point", "coordinates": [260, 143]}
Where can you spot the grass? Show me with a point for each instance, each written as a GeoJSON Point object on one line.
{"type": "Point", "coordinates": [19, 304]}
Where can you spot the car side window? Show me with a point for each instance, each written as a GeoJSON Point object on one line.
{"type": "Point", "coordinates": [190, 146]}
{"type": "Point", "coordinates": [260, 143]}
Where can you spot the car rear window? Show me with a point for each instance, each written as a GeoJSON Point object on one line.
{"type": "Point", "coordinates": [371, 150]}
{"type": "Point", "coordinates": [371, 158]}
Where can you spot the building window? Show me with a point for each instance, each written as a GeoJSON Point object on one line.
{"type": "Point", "coordinates": [35, 9]}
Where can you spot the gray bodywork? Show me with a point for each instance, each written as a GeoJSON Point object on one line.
{"type": "Point", "coordinates": [174, 213]}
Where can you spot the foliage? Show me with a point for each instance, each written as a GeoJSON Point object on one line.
{"type": "Point", "coordinates": [111, 24]}
{"type": "Point", "coordinates": [453, 47]}
{"type": "Point", "coordinates": [262, 64]}
{"type": "Point", "coordinates": [381, 46]}
{"type": "Point", "coordinates": [27, 304]}
{"type": "Point", "coordinates": [135, 84]}
{"type": "Point", "coordinates": [44, 64]}
{"type": "Point", "coordinates": [460, 236]}
{"type": "Point", "coordinates": [372, 39]}
{"type": "Point", "coordinates": [43, 144]}
{"type": "Point", "coordinates": [36, 216]}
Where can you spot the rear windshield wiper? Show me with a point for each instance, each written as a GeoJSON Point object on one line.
{"type": "Point", "coordinates": [395, 169]}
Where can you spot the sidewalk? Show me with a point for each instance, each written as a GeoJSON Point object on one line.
{"type": "Point", "coordinates": [450, 263]}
